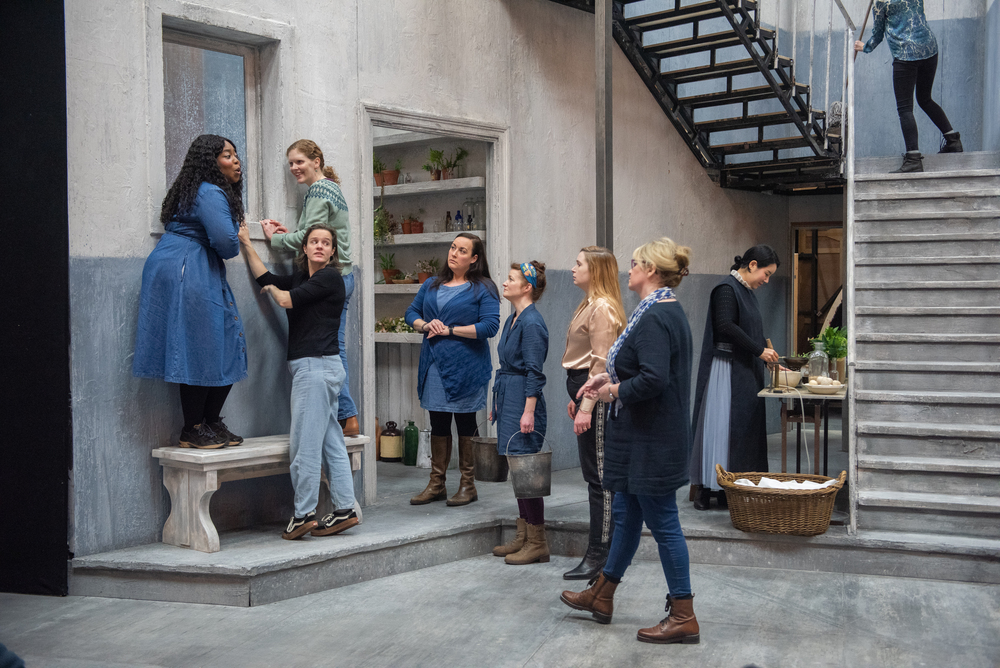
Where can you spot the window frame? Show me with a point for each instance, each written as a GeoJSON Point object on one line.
{"type": "Point", "coordinates": [252, 177]}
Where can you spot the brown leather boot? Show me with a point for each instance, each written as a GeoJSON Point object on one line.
{"type": "Point", "coordinates": [516, 543]}
{"type": "Point", "coordinates": [440, 456]}
{"type": "Point", "coordinates": [466, 493]}
{"type": "Point", "coordinates": [598, 599]}
{"type": "Point", "coordinates": [536, 548]}
{"type": "Point", "coordinates": [679, 626]}
{"type": "Point", "coordinates": [350, 426]}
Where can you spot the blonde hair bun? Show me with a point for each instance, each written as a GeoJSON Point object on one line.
{"type": "Point", "coordinates": [670, 260]}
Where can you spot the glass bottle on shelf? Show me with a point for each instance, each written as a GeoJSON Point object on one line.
{"type": "Point", "coordinates": [448, 227]}
{"type": "Point", "coordinates": [411, 441]}
{"type": "Point", "coordinates": [819, 362]}
{"type": "Point", "coordinates": [459, 223]}
{"type": "Point", "coordinates": [480, 208]}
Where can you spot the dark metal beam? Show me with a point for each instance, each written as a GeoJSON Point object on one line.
{"type": "Point", "coordinates": [604, 43]}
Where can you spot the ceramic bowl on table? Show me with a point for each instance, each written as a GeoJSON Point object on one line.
{"type": "Point", "coordinates": [825, 389]}
{"type": "Point", "coordinates": [789, 378]}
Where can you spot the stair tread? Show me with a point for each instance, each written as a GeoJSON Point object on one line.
{"type": "Point", "coordinates": [736, 95]}
{"type": "Point", "coordinates": [931, 397]}
{"type": "Point", "coordinates": [929, 501]}
{"type": "Point", "coordinates": [925, 194]}
{"type": "Point", "coordinates": [717, 71]}
{"type": "Point", "coordinates": [944, 174]}
{"type": "Point", "coordinates": [930, 236]}
{"type": "Point", "coordinates": [927, 310]}
{"type": "Point", "coordinates": [724, 37]}
{"type": "Point", "coordinates": [925, 215]}
{"type": "Point", "coordinates": [925, 285]}
{"type": "Point", "coordinates": [929, 429]}
{"type": "Point", "coordinates": [943, 259]}
{"type": "Point", "coordinates": [922, 337]}
{"type": "Point", "coordinates": [753, 121]}
{"type": "Point", "coordinates": [930, 464]}
{"type": "Point", "coordinates": [775, 143]}
{"type": "Point", "coordinates": [931, 542]}
{"type": "Point", "coordinates": [663, 18]}
{"type": "Point", "coordinates": [933, 367]}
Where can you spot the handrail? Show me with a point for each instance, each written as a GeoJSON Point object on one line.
{"type": "Point", "coordinates": [849, 433]}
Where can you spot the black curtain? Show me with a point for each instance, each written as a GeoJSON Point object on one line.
{"type": "Point", "coordinates": [35, 420]}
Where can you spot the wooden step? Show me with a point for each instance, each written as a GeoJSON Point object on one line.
{"type": "Point", "coordinates": [927, 310]}
{"type": "Point", "coordinates": [929, 501]}
{"type": "Point", "coordinates": [907, 261]}
{"type": "Point", "coordinates": [931, 464]}
{"type": "Point", "coordinates": [929, 430]}
{"type": "Point", "coordinates": [926, 194]}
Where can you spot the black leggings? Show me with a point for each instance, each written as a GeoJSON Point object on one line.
{"type": "Point", "coordinates": [908, 75]}
{"type": "Point", "coordinates": [202, 404]}
{"type": "Point", "coordinates": [441, 424]}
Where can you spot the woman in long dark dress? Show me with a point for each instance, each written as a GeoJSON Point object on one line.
{"type": "Point", "coordinates": [189, 330]}
{"type": "Point", "coordinates": [729, 418]}
{"type": "Point", "coordinates": [648, 385]}
{"type": "Point", "coordinates": [518, 402]}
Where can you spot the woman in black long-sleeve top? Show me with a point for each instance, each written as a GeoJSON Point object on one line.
{"type": "Point", "coordinates": [729, 418]}
{"type": "Point", "coordinates": [648, 440]}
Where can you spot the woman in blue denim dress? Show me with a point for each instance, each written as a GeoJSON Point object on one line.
{"type": "Point", "coordinates": [518, 404]}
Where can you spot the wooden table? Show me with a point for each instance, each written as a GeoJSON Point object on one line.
{"type": "Point", "coordinates": [821, 414]}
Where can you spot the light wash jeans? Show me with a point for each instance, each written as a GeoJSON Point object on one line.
{"type": "Point", "coordinates": [660, 515]}
{"type": "Point", "coordinates": [346, 408]}
{"type": "Point", "coordinates": [317, 441]}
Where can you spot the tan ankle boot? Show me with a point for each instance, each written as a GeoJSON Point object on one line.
{"type": "Point", "coordinates": [680, 626]}
{"type": "Point", "coordinates": [440, 456]}
{"type": "Point", "coordinates": [350, 426]}
{"type": "Point", "coordinates": [598, 599]}
{"type": "Point", "coordinates": [466, 493]}
{"type": "Point", "coordinates": [536, 548]}
{"type": "Point", "coordinates": [515, 544]}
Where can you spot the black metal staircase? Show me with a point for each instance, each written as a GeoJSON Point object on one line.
{"type": "Point", "coordinates": [732, 127]}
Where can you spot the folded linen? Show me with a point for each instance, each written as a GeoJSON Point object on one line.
{"type": "Point", "coordinates": [771, 483]}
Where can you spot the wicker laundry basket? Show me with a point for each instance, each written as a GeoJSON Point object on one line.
{"type": "Point", "coordinates": [799, 512]}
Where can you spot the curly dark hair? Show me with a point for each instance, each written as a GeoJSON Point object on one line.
{"type": "Point", "coordinates": [200, 167]}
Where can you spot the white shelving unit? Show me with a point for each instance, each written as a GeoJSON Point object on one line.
{"type": "Point", "coordinates": [427, 238]}
{"type": "Point", "coordinates": [393, 289]}
{"type": "Point", "coordinates": [393, 337]}
{"type": "Point", "coordinates": [467, 184]}
{"type": "Point", "coordinates": [407, 139]}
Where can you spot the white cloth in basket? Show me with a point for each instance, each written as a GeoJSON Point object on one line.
{"type": "Point", "coordinates": [771, 483]}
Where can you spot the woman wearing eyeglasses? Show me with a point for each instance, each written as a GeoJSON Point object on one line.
{"type": "Point", "coordinates": [518, 404]}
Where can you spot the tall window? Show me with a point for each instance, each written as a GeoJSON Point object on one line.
{"type": "Point", "coordinates": [209, 88]}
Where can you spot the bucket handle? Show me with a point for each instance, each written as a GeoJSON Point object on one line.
{"type": "Point", "coordinates": [545, 442]}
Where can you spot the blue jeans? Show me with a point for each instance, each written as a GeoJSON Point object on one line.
{"type": "Point", "coordinates": [317, 441]}
{"type": "Point", "coordinates": [660, 515]}
{"type": "Point", "coordinates": [346, 407]}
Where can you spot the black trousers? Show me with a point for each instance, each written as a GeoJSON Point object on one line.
{"type": "Point", "coordinates": [591, 448]}
{"type": "Point", "coordinates": [916, 75]}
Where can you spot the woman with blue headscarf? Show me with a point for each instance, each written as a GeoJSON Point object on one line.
{"type": "Point", "coordinates": [518, 404]}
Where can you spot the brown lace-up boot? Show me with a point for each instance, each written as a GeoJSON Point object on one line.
{"type": "Point", "coordinates": [516, 543]}
{"type": "Point", "coordinates": [440, 456]}
{"type": "Point", "coordinates": [598, 599]}
{"type": "Point", "coordinates": [536, 548]}
{"type": "Point", "coordinates": [680, 626]}
{"type": "Point", "coordinates": [466, 493]}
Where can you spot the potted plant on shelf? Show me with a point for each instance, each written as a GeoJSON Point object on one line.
{"type": "Point", "coordinates": [383, 223]}
{"type": "Point", "coordinates": [383, 176]}
{"type": "Point", "coordinates": [835, 345]}
{"type": "Point", "coordinates": [426, 269]}
{"type": "Point", "coordinates": [388, 264]}
{"type": "Point", "coordinates": [435, 161]}
{"type": "Point", "coordinates": [450, 165]}
{"type": "Point", "coordinates": [416, 225]}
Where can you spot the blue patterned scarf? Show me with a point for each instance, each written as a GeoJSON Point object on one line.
{"type": "Point", "coordinates": [651, 298]}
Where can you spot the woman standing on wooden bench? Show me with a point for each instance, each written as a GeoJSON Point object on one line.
{"type": "Point", "coordinates": [189, 330]}
{"type": "Point", "coordinates": [314, 299]}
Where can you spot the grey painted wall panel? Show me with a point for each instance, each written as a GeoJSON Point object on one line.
{"type": "Point", "coordinates": [991, 80]}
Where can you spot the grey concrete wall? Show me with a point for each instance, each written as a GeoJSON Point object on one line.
{"type": "Point", "coordinates": [523, 64]}
{"type": "Point", "coordinates": [991, 79]}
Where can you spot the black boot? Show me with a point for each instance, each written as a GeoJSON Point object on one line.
{"type": "Point", "coordinates": [593, 562]}
{"type": "Point", "coordinates": [703, 499]}
{"type": "Point", "coordinates": [952, 143]}
{"type": "Point", "coordinates": [720, 496]}
{"type": "Point", "coordinates": [912, 162]}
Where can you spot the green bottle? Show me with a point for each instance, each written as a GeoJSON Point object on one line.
{"type": "Point", "coordinates": [411, 439]}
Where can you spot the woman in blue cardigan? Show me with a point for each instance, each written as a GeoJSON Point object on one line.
{"type": "Point", "coordinates": [457, 310]}
{"type": "Point", "coordinates": [518, 402]}
{"type": "Point", "coordinates": [648, 441]}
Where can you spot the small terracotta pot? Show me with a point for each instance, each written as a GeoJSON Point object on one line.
{"type": "Point", "coordinates": [379, 179]}
{"type": "Point", "coordinates": [842, 369]}
{"type": "Point", "coordinates": [406, 226]}
{"type": "Point", "coordinates": [389, 274]}
{"type": "Point", "coordinates": [423, 276]}
{"type": "Point", "coordinates": [436, 175]}
{"type": "Point", "coordinates": [417, 226]}
{"type": "Point", "coordinates": [445, 174]}
{"type": "Point", "coordinates": [391, 177]}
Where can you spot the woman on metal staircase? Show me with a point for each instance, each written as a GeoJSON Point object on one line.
{"type": "Point", "coordinates": [914, 63]}
{"type": "Point", "coordinates": [518, 403]}
{"type": "Point", "coordinates": [457, 310]}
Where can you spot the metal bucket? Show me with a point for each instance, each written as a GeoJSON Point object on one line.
{"type": "Point", "coordinates": [531, 474]}
{"type": "Point", "coordinates": [490, 466]}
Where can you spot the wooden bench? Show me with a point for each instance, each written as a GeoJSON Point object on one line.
{"type": "Point", "coordinates": [191, 476]}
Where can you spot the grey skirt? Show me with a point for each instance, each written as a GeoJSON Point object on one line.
{"type": "Point", "coordinates": [711, 437]}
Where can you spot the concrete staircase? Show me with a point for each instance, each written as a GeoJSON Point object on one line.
{"type": "Point", "coordinates": [927, 330]}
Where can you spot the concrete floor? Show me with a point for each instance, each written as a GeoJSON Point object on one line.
{"type": "Point", "coordinates": [480, 612]}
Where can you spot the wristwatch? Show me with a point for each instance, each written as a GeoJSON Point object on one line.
{"type": "Point", "coordinates": [451, 331]}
